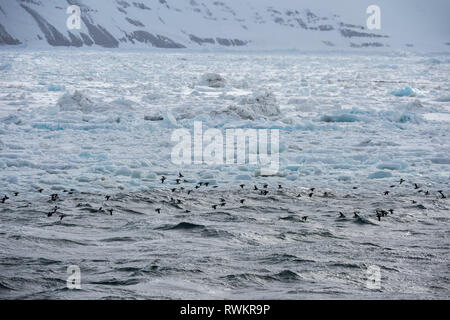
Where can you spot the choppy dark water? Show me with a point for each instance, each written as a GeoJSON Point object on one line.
{"type": "Point", "coordinates": [261, 249]}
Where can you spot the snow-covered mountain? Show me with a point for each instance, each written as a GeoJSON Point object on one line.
{"type": "Point", "coordinates": [199, 24]}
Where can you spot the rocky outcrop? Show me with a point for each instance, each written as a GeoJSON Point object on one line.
{"type": "Point", "coordinates": [6, 38]}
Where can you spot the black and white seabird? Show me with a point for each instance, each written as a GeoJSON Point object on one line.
{"type": "Point", "coordinates": [379, 215]}
{"type": "Point", "coordinates": [242, 201]}
{"type": "Point", "coordinates": [341, 215]}
{"type": "Point", "coordinates": [107, 197]}
{"type": "Point", "coordinates": [163, 179]}
{"type": "Point", "coordinates": [5, 198]}
{"type": "Point", "coordinates": [55, 209]}
{"type": "Point", "coordinates": [442, 194]}
{"type": "Point", "coordinates": [242, 186]}
{"type": "Point", "coordinates": [402, 180]}
{"type": "Point", "coordinates": [214, 206]}
{"type": "Point", "coordinates": [305, 218]}
{"type": "Point", "coordinates": [180, 175]}
{"type": "Point", "coordinates": [158, 210]}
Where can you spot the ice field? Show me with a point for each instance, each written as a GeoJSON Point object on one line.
{"type": "Point", "coordinates": [88, 124]}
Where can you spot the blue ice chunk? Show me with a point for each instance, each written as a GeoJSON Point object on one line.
{"type": "Point", "coordinates": [339, 118]}
{"type": "Point", "coordinates": [406, 92]}
{"type": "Point", "coordinates": [292, 177]}
{"type": "Point", "coordinates": [56, 88]}
{"type": "Point", "coordinates": [243, 177]}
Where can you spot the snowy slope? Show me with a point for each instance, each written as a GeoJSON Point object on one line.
{"type": "Point", "coordinates": [249, 24]}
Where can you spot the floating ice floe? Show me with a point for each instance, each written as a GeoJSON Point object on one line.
{"type": "Point", "coordinates": [416, 104]}
{"type": "Point", "coordinates": [56, 88]}
{"type": "Point", "coordinates": [76, 101]}
{"type": "Point", "coordinates": [403, 116]}
{"type": "Point", "coordinates": [443, 99]}
{"type": "Point", "coordinates": [407, 92]}
{"type": "Point", "coordinates": [258, 106]}
{"type": "Point", "coordinates": [12, 119]}
{"type": "Point", "coordinates": [345, 117]}
{"type": "Point", "coordinates": [5, 66]}
{"type": "Point", "coordinates": [392, 165]}
{"type": "Point", "coordinates": [380, 175]}
{"type": "Point", "coordinates": [123, 102]}
{"type": "Point", "coordinates": [212, 80]}
{"type": "Point", "coordinates": [440, 160]}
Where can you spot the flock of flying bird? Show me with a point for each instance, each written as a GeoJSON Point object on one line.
{"type": "Point", "coordinates": [262, 191]}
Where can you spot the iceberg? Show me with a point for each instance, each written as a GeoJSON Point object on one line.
{"type": "Point", "coordinates": [407, 92]}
